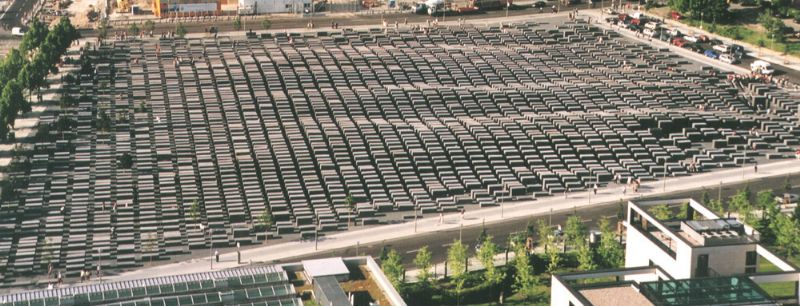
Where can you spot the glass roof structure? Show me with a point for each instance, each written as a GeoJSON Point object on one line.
{"type": "Point", "coordinates": [735, 290]}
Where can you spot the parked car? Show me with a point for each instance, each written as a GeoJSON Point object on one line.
{"type": "Point", "coordinates": [722, 48]}
{"type": "Point", "coordinates": [728, 58]}
{"type": "Point", "coordinates": [702, 38]}
{"type": "Point", "coordinates": [652, 25]}
{"type": "Point", "coordinates": [539, 4]}
{"type": "Point", "coordinates": [691, 38]}
{"type": "Point", "coordinates": [679, 41]}
{"type": "Point", "coordinates": [649, 32]}
{"type": "Point", "coordinates": [711, 54]}
{"type": "Point", "coordinates": [695, 48]}
{"type": "Point", "coordinates": [18, 31]}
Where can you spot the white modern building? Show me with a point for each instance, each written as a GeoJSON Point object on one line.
{"type": "Point", "coordinates": [250, 7]}
{"type": "Point", "coordinates": [702, 259]}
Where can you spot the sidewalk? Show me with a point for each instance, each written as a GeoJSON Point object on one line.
{"type": "Point", "coordinates": [521, 209]}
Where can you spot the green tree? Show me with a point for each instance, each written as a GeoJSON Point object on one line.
{"type": "Point", "coordinates": [36, 34]}
{"type": "Point", "coordinates": [610, 250]}
{"type": "Point", "coordinates": [766, 203]}
{"type": "Point", "coordinates": [149, 26]}
{"type": "Point", "coordinates": [525, 281]}
{"type": "Point", "coordinates": [266, 24]}
{"type": "Point", "coordinates": [574, 230]}
{"type": "Point", "coordinates": [705, 198]}
{"type": "Point", "coordinates": [134, 29]}
{"type": "Point", "coordinates": [773, 25]}
{"type": "Point", "coordinates": [586, 257]}
{"type": "Point", "coordinates": [102, 28]}
{"type": "Point", "coordinates": [457, 259]}
{"type": "Point", "coordinates": [553, 256]}
{"type": "Point", "coordinates": [486, 255]}
{"type": "Point", "coordinates": [683, 212]}
{"type": "Point", "coordinates": [180, 30]}
{"type": "Point", "coordinates": [265, 221]}
{"type": "Point", "coordinates": [237, 24]}
{"type": "Point", "coordinates": [13, 101]}
{"type": "Point", "coordinates": [787, 234]}
{"type": "Point", "coordinates": [740, 202]}
{"type": "Point", "coordinates": [797, 214]}
{"type": "Point", "coordinates": [350, 203]}
{"type": "Point", "coordinates": [661, 212]}
{"type": "Point", "coordinates": [103, 121]}
{"type": "Point", "coordinates": [544, 231]}
{"type": "Point", "coordinates": [787, 185]}
{"type": "Point", "coordinates": [716, 206]}
{"type": "Point", "coordinates": [393, 268]}
{"type": "Point", "coordinates": [194, 211]}
{"type": "Point", "coordinates": [423, 263]}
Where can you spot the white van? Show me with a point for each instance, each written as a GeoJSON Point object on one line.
{"type": "Point", "coordinates": [723, 48]}
{"type": "Point", "coordinates": [652, 25]}
{"type": "Point", "coordinates": [649, 32]}
{"type": "Point", "coordinates": [17, 31]}
{"type": "Point", "coordinates": [762, 67]}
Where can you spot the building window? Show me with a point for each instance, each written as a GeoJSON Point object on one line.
{"type": "Point", "coordinates": [752, 258]}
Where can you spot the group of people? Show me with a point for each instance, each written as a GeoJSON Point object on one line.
{"type": "Point", "coordinates": [631, 183]}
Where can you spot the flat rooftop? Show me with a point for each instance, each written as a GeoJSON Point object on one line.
{"type": "Point", "coordinates": [624, 295]}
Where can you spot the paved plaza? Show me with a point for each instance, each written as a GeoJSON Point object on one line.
{"type": "Point", "coordinates": [406, 121]}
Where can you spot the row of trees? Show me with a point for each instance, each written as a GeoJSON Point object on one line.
{"type": "Point", "coordinates": [27, 67]}
{"type": "Point", "coordinates": [520, 275]}
{"type": "Point", "coordinates": [762, 212]}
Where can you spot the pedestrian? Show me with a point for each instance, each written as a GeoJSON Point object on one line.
{"type": "Point", "coordinates": [755, 167]}
{"type": "Point", "coordinates": [595, 189]}
{"type": "Point", "coordinates": [441, 218]}
{"type": "Point", "coordinates": [83, 275]}
{"type": "Point", "coordinates": [625, 189]}
{"type": "Point", "coordinates": [216, 255]}
{"type": "Point", "coordinates": [463, 210]}
{"type": "Point", "coordinates": [99, 273]}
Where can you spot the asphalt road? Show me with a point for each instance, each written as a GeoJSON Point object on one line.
{"type": "Point", "coordinates": [438, 242]}
{"type": "Point", "coordinates": [12, 17]}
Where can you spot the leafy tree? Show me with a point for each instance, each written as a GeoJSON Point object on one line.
{"type": "Point", "coordinates": [265, 221]}
{"type": "Point", "coordinates": [544, 231]}
{"type": "Point", "coordinates": [575, 230]}
{"type": "Point", "coordinates": [237, 24]}
{"type": "Point", "coordinates": [621, 211]}
{"type": "Point", "coordinates": [610, 250]}
{"type": "Point", "coordinates": [457, 259]}
{"type": "Point", "coordinates": [194, 211]}
{"type": "Point", "coordinates": [525, 281]}
{"type": "Point", "coordinates": [180, 30]}
{"type": "Point", "coordinates": [350, 203]}
{"type": "Point", "coordinates": [486, 255]}
{"type": "Point", "coordinates": [423, 263]}
{"type": "Point", "coordinates": [393, 268]}
{"type": "Point", "coordinates": [102, 28]}
{"type": "Point", "coordinates": [553, 256]}
{"type": "Point", "coordinates": [683, 213]}
{"type": "Point", "coordinates": [149, 26]}
{"type": "Point", "coordinates": [586, 257]}
{"type": "Point", "coordinates": [787, 234]}
{"type": "Point", "coordinates": [709, 10]}
{"type": "Point", "coordinates": [797, 214]}
{"type": "Point", "coordinates": [773, 25]}
{"type": "Point", "coordinates": [716, 206]}
{"type": "Point", "coordinates": [103, 121]}
{"type": "Point", "coordinates": [740, 201]}
{"type": "Point", "coordinates": [134, 29]}
{"type": "Point", "coordinates": [125, 161]}
{"type": "Point", "coordinates": [36, 34]}
{"type": "Point", "coordinates": [14, 102]}
{"type": "Point", "coordinates": [661, 212]}
{"type": "Point", "coordinates": [266, 24]}
{"type": "Point", "coordinates": [766, 202]}
{"type": "Point", "coordinates": [705, 198]}
{"type": "Point", "coordinates": [787, 185]}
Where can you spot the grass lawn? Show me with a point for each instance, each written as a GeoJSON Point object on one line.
{"type": "Point", "coordinates": [779, 289]}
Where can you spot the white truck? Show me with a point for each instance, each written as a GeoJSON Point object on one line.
{"type": "Point", "coordinates": [762, 67]}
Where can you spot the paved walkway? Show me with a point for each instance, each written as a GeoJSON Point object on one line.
{"type": "Point", "coordinates": [507, 211]}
